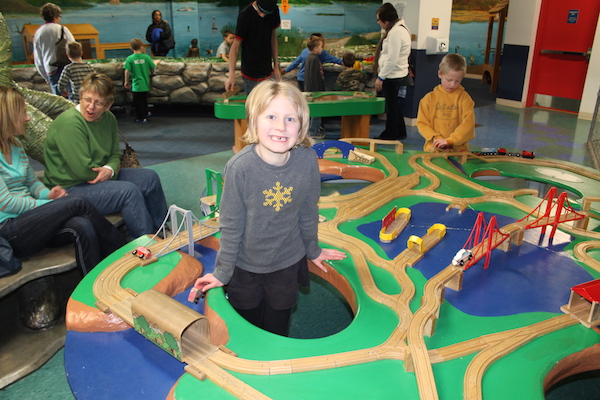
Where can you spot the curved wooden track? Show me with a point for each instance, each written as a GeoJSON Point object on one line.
{"type": "Point", "coordinates": [406, 342]}
{"type": "Point", "coordinates": [581, 250]}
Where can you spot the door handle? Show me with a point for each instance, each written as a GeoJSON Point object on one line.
{"type": "Point", "coordinates": [585, 54]}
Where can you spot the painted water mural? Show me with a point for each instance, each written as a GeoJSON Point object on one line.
{"type": "Point", "coordinates": [469, 40]}
{"type": "Point", "coordinates": [202, 21]}
{"type": "Point", "coordinates": [205, 22]}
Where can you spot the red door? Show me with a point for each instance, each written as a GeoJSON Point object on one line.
{"type": "Point", "coordinates": [564, 39]}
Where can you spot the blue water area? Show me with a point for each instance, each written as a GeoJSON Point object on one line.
{"type": "Point", "coordinates": [118, 365]}
{"type": "Point", "coordinates": [536, 276]}
{"type": "Point", "coordinates": [124, 365]}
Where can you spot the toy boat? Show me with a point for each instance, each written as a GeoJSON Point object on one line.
{"type": "Point", "coordinates": [393, 223]}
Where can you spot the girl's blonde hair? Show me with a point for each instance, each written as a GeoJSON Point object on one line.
{"type": "Point", "coordinates": [12, 121]}
{"type": "Point", "coordinates": [258, 100]}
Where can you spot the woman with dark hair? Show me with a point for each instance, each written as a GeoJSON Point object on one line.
{"type": "Point", "coordinates": [45, 44]}
{"type": "Point", "coordinates": [391, 68]}
{"type": "Point", "coordinates": [159, 35]}
{"type": "Point", "coordinates": [31, 215]}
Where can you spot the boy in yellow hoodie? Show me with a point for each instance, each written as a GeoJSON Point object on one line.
{"type": "Point", "coordinates": [446, 117]}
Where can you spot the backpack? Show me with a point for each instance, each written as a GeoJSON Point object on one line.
{"type": "Point", "coordinates": [60, 54]}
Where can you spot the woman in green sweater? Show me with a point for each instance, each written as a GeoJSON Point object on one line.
{"type": "Point", "coordinates": [31, 215]}
{"type": "Point", "coordinates": [82, 155]}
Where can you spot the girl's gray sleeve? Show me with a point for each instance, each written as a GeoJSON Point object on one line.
{"type": "Point", "coordinates": [232, 222]}
{"type": "Point", "coordinates": [309, 214]}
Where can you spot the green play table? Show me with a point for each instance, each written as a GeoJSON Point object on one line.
{"type": "Point", "coordinates": [355, 108]}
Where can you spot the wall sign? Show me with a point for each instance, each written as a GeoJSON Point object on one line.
{"type": "Point", "coordinates": [435, 24]}
{"type": "Point", "coordinates": [573, 15]}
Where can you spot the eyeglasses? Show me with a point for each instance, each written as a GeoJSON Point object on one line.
{"type": "Point", "coordinates": [96, 103]}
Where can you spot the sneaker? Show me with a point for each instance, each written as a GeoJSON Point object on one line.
{"type": "Point", "coordinates": [141, 121]}
{"type": "Point", "coordinates": [149, 114]}
{"type": "Point", "coordinates": [320, 135]}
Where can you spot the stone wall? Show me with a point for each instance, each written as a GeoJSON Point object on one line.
{"type": "Point", "coordinates": [174, 82]}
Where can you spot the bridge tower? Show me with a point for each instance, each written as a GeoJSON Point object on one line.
{"type": "Point", "coordinates": [483, 239]}
{"type": "Point", "coordinates": [558, 209]}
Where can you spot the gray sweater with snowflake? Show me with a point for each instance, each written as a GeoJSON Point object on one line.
{"type": "Point", "coordinates": [269, 214]}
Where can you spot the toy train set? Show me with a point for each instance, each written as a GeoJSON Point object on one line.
{"type": "Point", "coordinates": [417, 327]}
{"type": "Point", "coordinates": [492, 151]}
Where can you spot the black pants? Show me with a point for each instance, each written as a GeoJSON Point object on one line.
{"type": "Point", "coordinates": [269, 319]}
{"type": "Point", "coordinates": [395, 128]}
{"type": "Point", "coordinates": [70, 219]}
{"type": "Point", "coordinates": [266, 300]}
{"type": "Point", "coordinates": [140, 102]}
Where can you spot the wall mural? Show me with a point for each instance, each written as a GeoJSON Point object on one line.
{"type": "Point", "coordinates": [468, 31]}
{"type": "Point", "coordinates": [345, 24]}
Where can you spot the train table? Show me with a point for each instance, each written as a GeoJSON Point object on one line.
{"type": "Point", "coordinates": [355, 108]}
{"type": "Point", "coordinates": [428, 322]}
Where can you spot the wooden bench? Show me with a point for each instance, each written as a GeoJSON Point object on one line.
{"type": "Point", "coordinates": [23, 349]}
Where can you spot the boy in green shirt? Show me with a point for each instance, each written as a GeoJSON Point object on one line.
{"type": "Point", "coordinates": [138, 66]}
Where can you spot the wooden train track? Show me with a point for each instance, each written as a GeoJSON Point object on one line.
{"type": "Point", "coordinates": [519, 337]}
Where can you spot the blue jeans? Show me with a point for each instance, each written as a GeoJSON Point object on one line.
{"type": "Point", "coordinates": [249, 84]}
{"type": "Point", "coordinates": [53, 79]}
{"type": "Point", "coordinates": [70, 219]}
{"type": "Point", "coordinates": [315, 123]}
{"type": "Point", "coordinates": [137, 194]}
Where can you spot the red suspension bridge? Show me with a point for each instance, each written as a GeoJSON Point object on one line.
{"type": "Point", "coordinates": [485, 237]}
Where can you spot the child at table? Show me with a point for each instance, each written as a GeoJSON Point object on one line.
{"type": "Point", "coordinates": [446, 117]}
{"type": "Point", "coordinates": [269, 212]}
{"type": "Point", "coordinates": [351, 78]}
{"type": "Point", "coordinates": [300, 61]}
{"type": "Point", "coordinates": [225, 46]}
{"type": "Point", "coordinates": [314, 81]}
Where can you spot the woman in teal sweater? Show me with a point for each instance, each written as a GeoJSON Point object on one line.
{"type": "Point", "coordinates": [31, 215]}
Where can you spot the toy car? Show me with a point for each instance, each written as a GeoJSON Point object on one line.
{"type": "Point", "coordinates": [196, 293]}
{"type": "Point", "coordinates": [462, 256]}
{"type": "Point", "coordinates": [142, 253]}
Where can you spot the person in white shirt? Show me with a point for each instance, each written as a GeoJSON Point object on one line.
{"type": "Point", "coordinates": [45, 43]}
{"type": "Point", "coordinates": [391, 68]}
